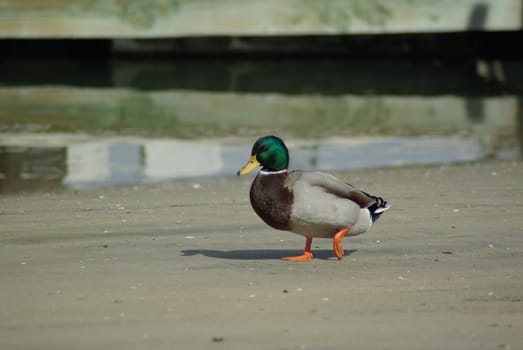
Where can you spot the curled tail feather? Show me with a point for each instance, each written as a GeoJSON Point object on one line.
{"type": "Point", "coordinates": [378, 207]}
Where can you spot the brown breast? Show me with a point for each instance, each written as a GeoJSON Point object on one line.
{"type": "Point", "coordinates": [272, 199]}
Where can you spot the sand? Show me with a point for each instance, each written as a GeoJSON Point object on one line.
{"type": "Point", "coordinates": [189, 265]}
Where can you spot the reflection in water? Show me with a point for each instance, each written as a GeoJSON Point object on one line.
{"type": "Point", "coordinates": [108, 163]}
{"type": "Point", "coordinates": [166, 159]}
{"type": "Point", "coordinates": [31, 168]}
{"type": "Point", "coordinates": [105, 163]}
{"type": "Point", "coordinates": [87, 162]}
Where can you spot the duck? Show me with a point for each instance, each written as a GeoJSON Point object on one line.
{"type": "Point", "coordinates": [312, 204]}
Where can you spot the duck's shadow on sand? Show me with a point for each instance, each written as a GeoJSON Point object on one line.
{"type": "Point", "coordinates": [259, 254]}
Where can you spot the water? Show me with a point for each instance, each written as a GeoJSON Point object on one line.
{"type": "Point", "coordinates": [89, 124]}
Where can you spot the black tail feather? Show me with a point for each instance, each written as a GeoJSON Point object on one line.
{"type": "Point", "coordinates": [378, 207]}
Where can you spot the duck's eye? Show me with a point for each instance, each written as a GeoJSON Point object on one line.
{"type": "Point", "coordinates": [264, 149]}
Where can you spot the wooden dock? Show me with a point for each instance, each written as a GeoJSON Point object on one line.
{"type": "Point", "coordinates": [116, 19]}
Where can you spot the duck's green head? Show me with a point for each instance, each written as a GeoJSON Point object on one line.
{"type": "Point", "coordinates": [269, 152]}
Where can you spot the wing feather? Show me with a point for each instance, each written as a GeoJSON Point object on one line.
{"type": "Point", "coordinates": [335, 186]}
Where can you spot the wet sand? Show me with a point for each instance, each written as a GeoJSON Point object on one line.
{"type": "Point", "coordinates": [189, 265]}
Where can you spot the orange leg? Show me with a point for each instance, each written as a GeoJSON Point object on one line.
{"type": "Point", "coordinates": [307, 254]}
{"type": "Point", "coordinates": [336, 244]}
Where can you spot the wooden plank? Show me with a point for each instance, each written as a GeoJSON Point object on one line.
{"type": "Point", "coordinates": [179, 18]}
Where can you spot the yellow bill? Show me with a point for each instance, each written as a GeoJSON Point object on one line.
{"type": "Point", "coordinates": [250, 166]}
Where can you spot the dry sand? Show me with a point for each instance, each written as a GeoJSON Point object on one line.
{"type": "Point", "coordinates": [188, 265]}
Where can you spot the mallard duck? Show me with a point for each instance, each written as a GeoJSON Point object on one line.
{"type": "Point", "coordinates": [309, 203]}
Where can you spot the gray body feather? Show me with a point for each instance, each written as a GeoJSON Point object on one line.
{"type": "Point", "coordinates": [323, 205]}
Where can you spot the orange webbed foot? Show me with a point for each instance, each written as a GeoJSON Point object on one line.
{"type": "Point", "coordinates": [306, 256]}
{"type": "Point", "coordinates": [337, 242]}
